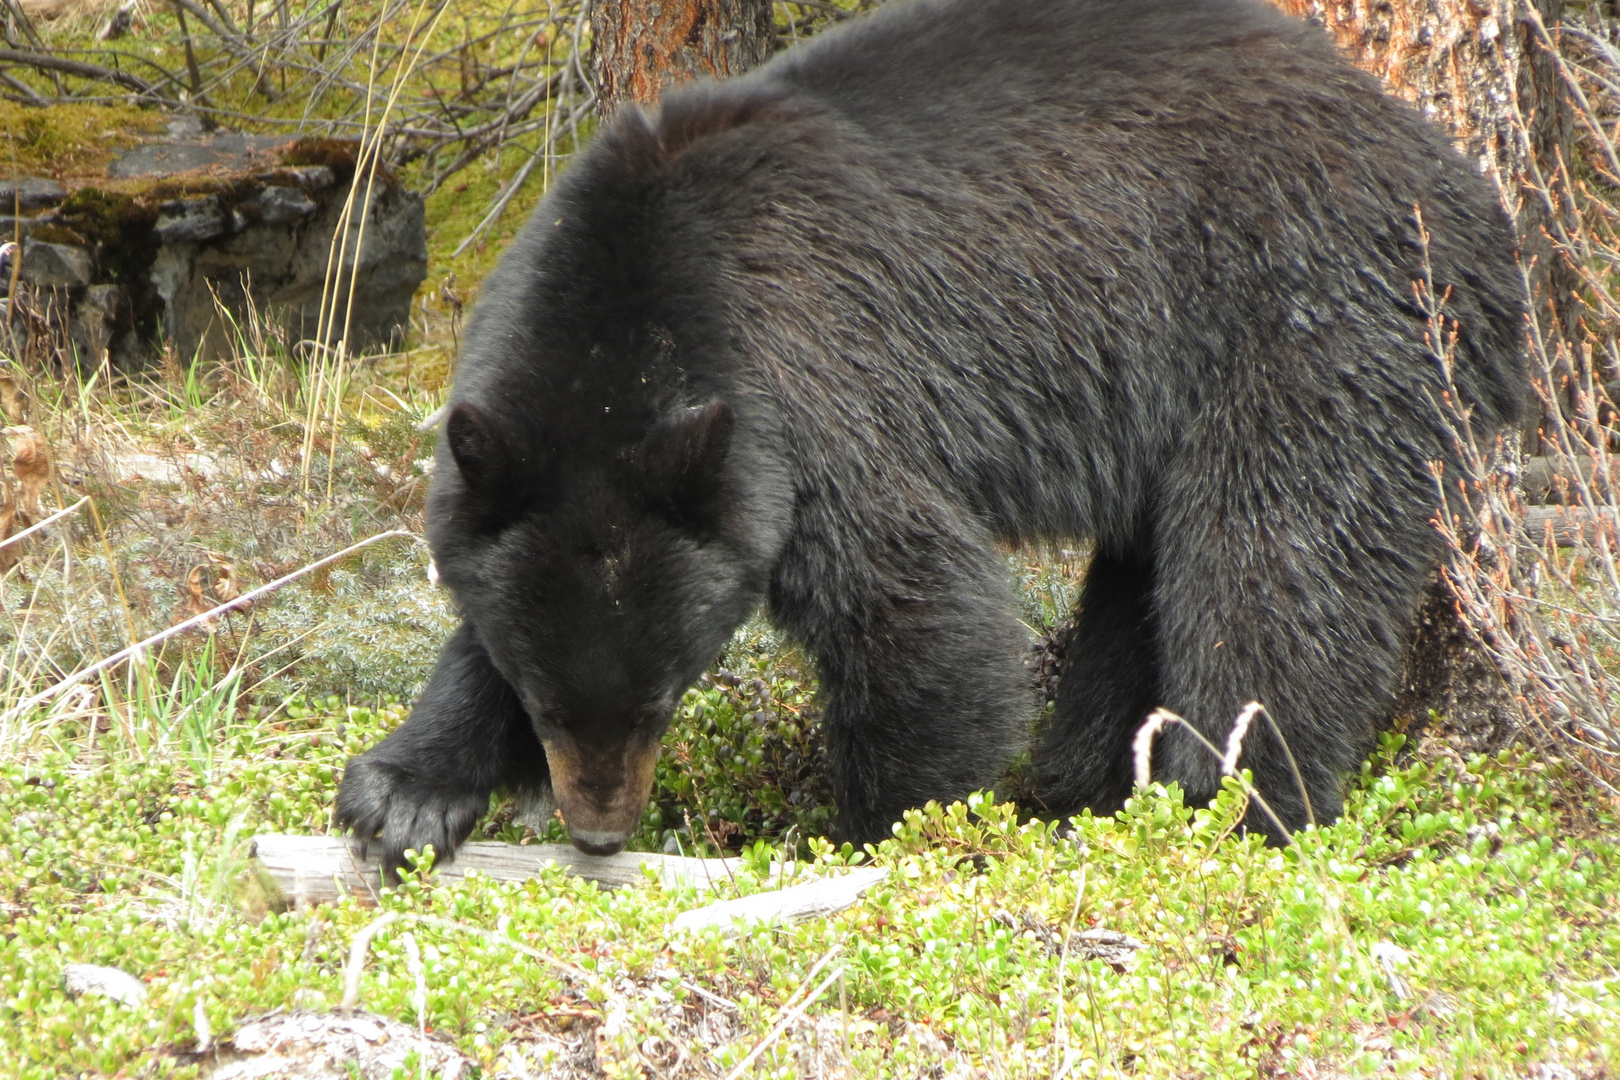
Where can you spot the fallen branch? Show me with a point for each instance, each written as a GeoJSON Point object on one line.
{"type": "Point", "coordinates": [47, 62]}
{"type": "Point", "coordinates": [357, 959]}
{"type": "Point", "coordinates": [796, 903]}
{"type": "Point", "coordinates": [1558, 479]}
{"type": "Point", "coordinates": [321, 869]}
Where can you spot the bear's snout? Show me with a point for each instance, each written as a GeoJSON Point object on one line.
{"type": "Point", "coordinates": [601, 791]}
{"type": "Point", "coordinates": [597, 843]}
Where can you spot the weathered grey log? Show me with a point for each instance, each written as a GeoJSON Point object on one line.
{"type": "Point", "coordinates": [813, 899]}
{"type": "Point", "coordinates": [1571, 525]}
{"type": "Point", "coordinates": [321, 869]}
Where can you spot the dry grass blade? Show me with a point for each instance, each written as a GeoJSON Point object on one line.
{"type": "Point", "coordinates": [357, 958]}
{"type": "Point", "coordinates": [31, 465]}
{"type": "Point", "coordinates": [332, 355]}
{"type": "Point", "coordinates": [793, 1011]}
{"type": "Point", "coordinates": [1159, 719]}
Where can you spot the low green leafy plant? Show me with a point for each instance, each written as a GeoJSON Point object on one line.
{"type": "Point", "coordinates": [1456, 921]}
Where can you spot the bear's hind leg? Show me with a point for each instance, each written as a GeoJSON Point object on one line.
{"type": "Point", "coordinates": [1301, 600]}
{"type": "Point", "coordinates": [429, 781]}
{"type": "Point", "coordinates": [1108, 685]}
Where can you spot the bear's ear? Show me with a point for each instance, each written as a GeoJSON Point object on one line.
{"type": "Point", "coordinates": [684, 455]}
{"type": "Point", "coordinates": [480, 452]}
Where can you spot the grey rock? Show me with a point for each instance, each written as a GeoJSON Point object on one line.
{"type": "Point", "coordinates": [280, 205]}
{"type": "Point", "coordinates": [309, 178]}
{"type": "Point", "coordinates": [283, 268]}
{"type": "Point", "coordinates": [268, 251]}
{"type": "Point", "coordinates": [332, 1046]}
{"type": "Point", "coordinates": [95, 321]}
{"type": "Point", "coordinates": [29, 193]}
{"type": "Point", "coordinates": [184, 127]}
{"type": "Point", "coordinates": [182, 220]}
{"type": "Point", "coordinates": [163, 159]}
{"type": "Point", "coordinates": [103, 300]}
{"type": "Point", "coordinates": [12, 227]}
{"type": "Point", "coordinates": [167, 158]}
{"type": "Point", "coordinates": [58, 266]}
{"type": "Point", "coordinates": [313, 177]}
{"type": "Point", "coordinates": [243, 145]}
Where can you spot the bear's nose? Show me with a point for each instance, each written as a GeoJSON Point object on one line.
{"type": "Point", "coordinates": [592, 842]}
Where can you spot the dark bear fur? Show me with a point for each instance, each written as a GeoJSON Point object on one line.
{"type": "Point", "coordinates": [960, 274]}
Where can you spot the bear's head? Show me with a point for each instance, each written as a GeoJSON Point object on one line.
{"type": "Point", "coordinates": [601, 582]}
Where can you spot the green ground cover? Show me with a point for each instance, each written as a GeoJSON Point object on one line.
{"type": "Point", "coordinates": [1458, 922]}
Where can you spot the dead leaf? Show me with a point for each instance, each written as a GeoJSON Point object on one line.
{"type": "Point", "coordinates": [226, 587]}
{"type": "Point", "coordinates": [31, 465]}
{"type": "Point", "coordinates": [196, 602]}
{"type": "Point", "coordinates": [1113, 948]}
{"type": "Point", "coordinates": [9, 553]}
{"type": "Point", "coordinates": [12, 402]}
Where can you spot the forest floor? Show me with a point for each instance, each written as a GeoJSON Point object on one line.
{"type": "Point", "coordinates": [1461, 920]}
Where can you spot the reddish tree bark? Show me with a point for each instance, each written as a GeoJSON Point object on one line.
{"type": "Point", "coordinates": [642, 46]}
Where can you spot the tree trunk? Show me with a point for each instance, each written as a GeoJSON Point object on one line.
{"type": "Point", "coordinates": [642, 46]}
{"type": "Point", "coordinates": [1450, 58]}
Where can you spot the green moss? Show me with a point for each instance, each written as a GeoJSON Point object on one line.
{"type": "Point", "coordinates": [1450, 924]}
{"type": "Point", "coordinates": [229, 190]}
{"type": "Point", "coordinates": [68, 140]}
{"type": "Point", "coordinates": [57, 234]}
{"type": "Point", "coordinates": [119, 224]}
{"type": "Point", "coordinates": [287, 177]}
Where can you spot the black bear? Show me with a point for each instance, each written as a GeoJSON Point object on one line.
{"type": "Point", "coordinates": [959, 274]}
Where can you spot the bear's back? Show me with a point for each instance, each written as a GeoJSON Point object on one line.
{"type": "Point", "coordinates": [912, 69]}
{"type": "Point", "coordinates": [1141, 191]}
{"type": "Point", "coordinates": [1217, 156]}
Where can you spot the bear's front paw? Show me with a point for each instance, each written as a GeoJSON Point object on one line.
{"type": "Point", "coordinates": [391, 809]}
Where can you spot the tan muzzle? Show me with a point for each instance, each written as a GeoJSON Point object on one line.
{"type": "Point", "coordinates": [601, 791]}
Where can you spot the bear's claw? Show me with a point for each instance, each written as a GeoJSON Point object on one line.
{"type": "Point", "coordinates": [390, 811]}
